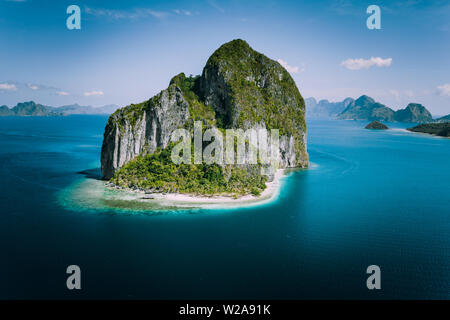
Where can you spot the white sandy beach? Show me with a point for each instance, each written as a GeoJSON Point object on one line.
{"type": "Point", "coordinates": [188, 200]}
{"type": "Point", "coordinates": [96, 194]}
{"type": "Point", "coordinates": [271, 191]}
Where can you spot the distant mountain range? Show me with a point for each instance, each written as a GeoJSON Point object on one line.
{"type": "Point", "coordinates": [325, 109]}
{"type": "Point", "coordinates": [34, 109]}
{"type": "Point", "coordinates": [366, 108]}
{"type": "Point", "coordinates": [444, 119]}
{"type": "Point", "coordinates": [27, 109]}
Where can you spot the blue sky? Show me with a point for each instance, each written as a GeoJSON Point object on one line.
{"type": "Point", "coordinates": [126, 52]}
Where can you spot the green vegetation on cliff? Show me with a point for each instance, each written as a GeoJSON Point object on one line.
{"type": "Point", "coordinates": [130, 113]}
{"type": "Point", "coordinates": [156, 172]}
{"type": "Point", "coordinates": [260, 87]}
{"type": "Point", "coordinates": [245, 88]}
{"type": "Point", "coordinates": [197, 109]}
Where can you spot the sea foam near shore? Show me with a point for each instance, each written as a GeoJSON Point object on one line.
{"type": "Point", "coordinates": [92, 194]}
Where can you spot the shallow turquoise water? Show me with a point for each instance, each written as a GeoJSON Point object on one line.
{"type": "Point", "coordinates": [369, 198]}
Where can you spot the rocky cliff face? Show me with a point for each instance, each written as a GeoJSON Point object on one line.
{"type": "Point", "coordinates": [248, 90]}
{"type": "Point", "coordinates": [239, 88]}
{"type": "Point", "coordinates": [414, 112]}
{"type": "Point", "coordinates": [142, 128]}
{"type": "Point", "coordinates": [365, 108]}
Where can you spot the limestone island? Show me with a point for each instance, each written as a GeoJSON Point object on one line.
{"type": "Point", "coordinates": [377, 126]}
{"type": "Point", "coordinates": [366, 108]}
{"type": "Point", "coordinates": [438, 129]}
{"type": "Point", "coordinates": [240, 89]}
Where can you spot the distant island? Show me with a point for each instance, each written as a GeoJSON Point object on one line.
{"type": "Point", "coordinates": [441, 129]}
{"type": "Point", "coordinates": [325, 109]}
{"type": "Point", "coordinates": [239, 88]}
{"type": "Point", "coordinates": [443, 119]}
{"type": "Point", "coordinates": [27, 109]}
{"type": "Point", "coordinates": [376, 125]}
{"type": "Point", "coordinates": [365, 108]}
{"type": "Point", "coordinates": [38, 110]}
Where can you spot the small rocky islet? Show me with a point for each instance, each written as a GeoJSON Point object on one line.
{"type": "Point", "coordinates": [376, 125]}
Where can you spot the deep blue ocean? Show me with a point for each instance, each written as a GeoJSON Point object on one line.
{"type": "Point", "coordinates": [370, 197]}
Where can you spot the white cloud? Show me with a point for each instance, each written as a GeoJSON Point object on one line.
{"type": "Point", "coordinates": [357, 64]}
{"type": "Point", "coordinates": [62, 93]}
{"type": "Point", "coordinates": [153, 13]}
{"type": "Point", "coordinates": [7, 87]}
{"type": "Point", "coordinates": [93, 93]}
{"type": "Point", "coordinates": [214, 4]}
{"type": "Point", "coordinates": [395, 93]}
{"type": "Point", "coordinates": [409, 93]}
{"type": "Point", "coordinates": [289, 68]}
{"type": "Point", "coordinates": [399, 95]}
{"type": "Point", "coordinates": [444, 90]}
{"type": "Point", "coordinates": [125, 14]}
{"type": "Point", "coordinates": [183, 12]}
{"type": "Point", "coordinates": [33, 87]}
